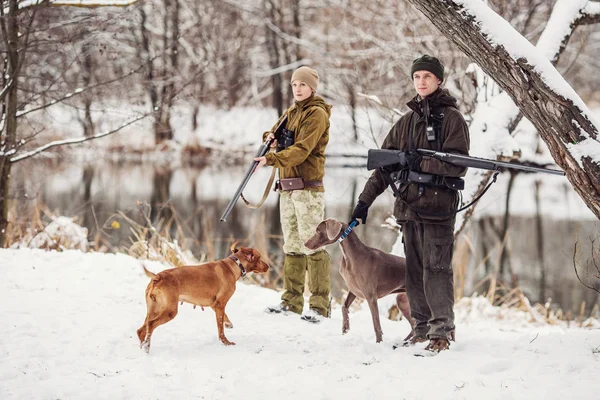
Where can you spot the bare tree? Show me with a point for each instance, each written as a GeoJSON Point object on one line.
{"type": "Point", "coordinates": [20, 36]}
{"type": "Point", "coordinates": [158, 36]}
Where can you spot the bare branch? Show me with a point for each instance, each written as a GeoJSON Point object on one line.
{"type": "Point", "coordinates": [576, 264]}
{"type": "Point", "coordinates": [77, 3]}
{"type": "Point", "coordinates": [6, 89]}
{"type": "Point", "coordinates": [65, 142]}
{"type": "Point", "coordinates": [80, 91]}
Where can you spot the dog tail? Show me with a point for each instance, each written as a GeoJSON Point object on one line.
{"type": "Point", "coordinates": [148, 273]}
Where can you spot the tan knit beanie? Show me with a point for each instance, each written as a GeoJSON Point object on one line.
{"type": "Point", "coordinates": [308, 76]}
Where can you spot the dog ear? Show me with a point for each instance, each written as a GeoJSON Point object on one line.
{"type": "Point", "coordinates": [332, 228]}
{"type": "Point", "coordinates": [234, 247]}
{"type": "Point", "coordinates": [249, 256]}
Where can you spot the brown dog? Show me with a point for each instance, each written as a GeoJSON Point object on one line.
{"type": "Point", "coordinates": [207, 285]}
{"type": "Point", "coordinates": [369, 273]}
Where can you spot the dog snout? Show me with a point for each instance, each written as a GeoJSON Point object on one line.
{"type": "Point", "coordinates": [264, 267]}
{"type": "Point", "coordinates": [311, 243]}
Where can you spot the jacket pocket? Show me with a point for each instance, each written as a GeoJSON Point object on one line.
{"type": "Point", "coordinates": [435, 203]}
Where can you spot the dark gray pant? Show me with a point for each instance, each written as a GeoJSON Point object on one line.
{"type": "Point", "coordinates": [429, 277]}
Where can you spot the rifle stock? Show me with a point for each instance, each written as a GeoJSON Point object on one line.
{"type": "Point", "coordinates": [262, 150]}
{"type": "Point", "coordinates": [382, 158]}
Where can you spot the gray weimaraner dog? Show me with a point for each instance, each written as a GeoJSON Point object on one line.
{"type": "Point", "coordinates": [369, 273]}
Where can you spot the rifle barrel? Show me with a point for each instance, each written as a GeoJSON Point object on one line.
{"type": "Point", "coordinates": [482, 163]}
{"type": "Point", "coordinates": [262, 150]}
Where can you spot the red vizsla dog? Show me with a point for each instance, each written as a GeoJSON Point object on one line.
{"type": "Point", "coordinates": [207, 285]}
{"type": "Point", "coordinates": [369, 273]}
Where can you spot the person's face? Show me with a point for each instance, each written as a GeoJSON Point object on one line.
{"type": "Point", "coordinates": [425, 83]}
{"type": "Point", "coordinates": [301, 90]}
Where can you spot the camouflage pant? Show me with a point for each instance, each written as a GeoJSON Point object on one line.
{"type": "Point", "coordinates": [301, 211]}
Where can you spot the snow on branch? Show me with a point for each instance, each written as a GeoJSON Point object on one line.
{"type": "Point", "coordinates": [566, 16]}
{"type": "Point", "coordinates": [591, 13]}
{"type": "Point", "coordinates": [499, 33]}
{"type": "Point", "coordinates": [71, 141]}
{"type": "Point", "coordinates": [77, 3]}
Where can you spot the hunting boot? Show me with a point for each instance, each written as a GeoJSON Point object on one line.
{"type": "Point", "coordinates": [319, 267]}
{"type": "Point", "coordinates": [294, 272]}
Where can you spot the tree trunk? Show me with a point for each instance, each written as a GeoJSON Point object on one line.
{"type": "Point", "coordinates": [9, 138]}
{"type": "Point", "coordinates": [274, 57]}
{"type": "Point", "coordinates": [560, 122]}
{"type": "Point", "coordinates": [352, 103]}
{"type": "Point", "coordinates": [88, 67]}
{"type": "Point", "coordinates": [505, 229]}
{"type": "Point", "coordinates": [540, 241]}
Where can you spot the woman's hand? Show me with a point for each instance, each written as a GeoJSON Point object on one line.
{"type": "Point", "coordinates": [261, 161]}
{"type": "Point", "coordinates": [274, 142]}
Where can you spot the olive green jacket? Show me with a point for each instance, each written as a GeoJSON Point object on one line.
{"type": "Point", "coordinates": [309, 120]}
{"type": "Point", "coordinates": [454, 139]}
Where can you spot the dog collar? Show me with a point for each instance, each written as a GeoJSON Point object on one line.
{"type": "Point", "coordinates": [239, 264]}
{"type": "Point", "coordinates": [348, 230]}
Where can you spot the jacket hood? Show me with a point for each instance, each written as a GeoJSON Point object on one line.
{"type": "Point", "coordinates": [438, 99]}
{"type": "Point", "coordinates": [314, 101]}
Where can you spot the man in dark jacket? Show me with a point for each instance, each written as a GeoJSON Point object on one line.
{"type": "Point", "coordinates": [426, 212]}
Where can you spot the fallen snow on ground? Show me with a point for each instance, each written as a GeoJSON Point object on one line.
{"type": "Point", "coordinates": [69, 322]}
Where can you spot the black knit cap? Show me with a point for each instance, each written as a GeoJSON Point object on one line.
{"type": "Point", "coordinates": [428, 63]}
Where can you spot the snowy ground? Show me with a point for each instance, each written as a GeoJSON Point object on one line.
{"type": "Point", "coordinates": [69, 333]}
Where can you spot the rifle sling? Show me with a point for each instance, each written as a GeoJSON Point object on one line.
{"type": "Point", "coordinates": [406, 176]}
{"type": "Point", "coordinates": [265, 194]}
{"type": "Point", "coordinates": [418, 211]}
{"type": "Point", "coordinates": [390, 180]}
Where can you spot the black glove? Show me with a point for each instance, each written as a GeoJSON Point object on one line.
{"type": "Point", "coordinates": [360, 212]}
{"type": "Point", "coordinates": [413, 160]}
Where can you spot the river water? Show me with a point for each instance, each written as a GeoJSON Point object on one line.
{"type": "Point", "coordinates": [193, 199]}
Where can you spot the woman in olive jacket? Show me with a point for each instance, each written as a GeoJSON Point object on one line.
{"type": "Point", "coordinates": [303, 209]}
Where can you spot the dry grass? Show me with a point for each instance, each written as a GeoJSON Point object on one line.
{"type": "Point", "coordinates": [509, 294]}
{"type": "Point", "coordinates": [153, 240]}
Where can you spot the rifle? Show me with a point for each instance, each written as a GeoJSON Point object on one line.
{"type": "Point", "coordinates": [383, 158]}
{"type": "Point", "coordinates": [262, 150]}
{"type": "Point", "coordinates": [398, 170]}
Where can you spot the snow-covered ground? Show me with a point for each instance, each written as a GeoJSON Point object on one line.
{"type": "Point", "coordinates": [69, 322]}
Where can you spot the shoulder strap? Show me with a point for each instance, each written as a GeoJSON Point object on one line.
{"type": "Point", "coordinates": [411, 131]}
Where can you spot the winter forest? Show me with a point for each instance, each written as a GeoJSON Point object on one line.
{"type": "Point", "coordinates": [127, 125]}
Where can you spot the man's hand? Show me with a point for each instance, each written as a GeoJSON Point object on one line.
{"type": "Point", "coordinates": [360, 212]}
{"type": "Point", "coordinates": [261, 161]}
{"type": "Point", "coordinates": [413, 160]}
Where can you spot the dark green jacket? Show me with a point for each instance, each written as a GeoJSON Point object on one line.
{"type": "Point", "coordinates": [309, 120]}
{"type": "Point", "coordinates": [454, 139]}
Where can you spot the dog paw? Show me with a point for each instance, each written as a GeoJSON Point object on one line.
{"type": "Point", "coordinates": [145, 345]}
